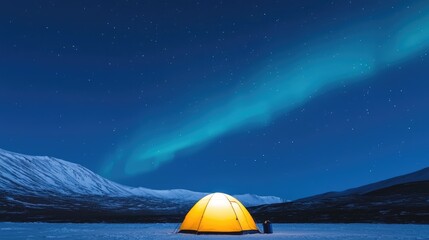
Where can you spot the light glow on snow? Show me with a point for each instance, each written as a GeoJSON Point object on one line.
{"type": "Point", "coordinates": [70, 231]}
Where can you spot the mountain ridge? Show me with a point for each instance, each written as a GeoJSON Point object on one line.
{"type": "Point", "coordinates": [401, 199]}
{"type": "Point", "coordinates": [416, 176]}
{"type": "Point", "coordinates": [29, 191]}
{"type": "Point", "coordinates": [35, 175]}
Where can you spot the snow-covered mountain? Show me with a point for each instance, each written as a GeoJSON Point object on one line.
{"type": "Point", "coordinates": [40, 175]}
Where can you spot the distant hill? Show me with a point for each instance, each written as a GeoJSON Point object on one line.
{"type": "Point", "coordinates": [402, 199]}
{"type": "Point", "coordinates": [418, 176]}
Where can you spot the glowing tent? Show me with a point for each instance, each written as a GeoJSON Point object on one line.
{"type": "Point", "coordinates": [218, 213]}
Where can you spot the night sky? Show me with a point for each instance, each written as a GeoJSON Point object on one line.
{"type": "Point", "coordinates": [286, 98]}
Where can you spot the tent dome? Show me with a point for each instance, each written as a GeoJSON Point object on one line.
{"type": "Point", "coordinates": [218, 213]}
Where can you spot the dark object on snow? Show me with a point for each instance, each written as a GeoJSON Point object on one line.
{"type": "Point", "coordinates": [268, 228]}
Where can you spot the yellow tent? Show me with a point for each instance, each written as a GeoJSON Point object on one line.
{"type": "Point", "coordinates": [218, 213]}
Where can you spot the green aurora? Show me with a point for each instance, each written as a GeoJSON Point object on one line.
{"type": "Point", "coordinates": [282, 83]}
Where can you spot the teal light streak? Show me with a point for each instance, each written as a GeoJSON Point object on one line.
{"type": "Point", "coordinates": [283, 85]}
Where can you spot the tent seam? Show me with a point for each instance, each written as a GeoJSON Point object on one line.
{"type": "Point", "coordinates": [202, 215]}
{"type": "Point", "coordinates": [245, 217]}
{"type": "Point", "coordinates": [236, 217]}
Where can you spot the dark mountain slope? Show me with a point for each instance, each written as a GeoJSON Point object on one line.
{"type": "Point", "coordinates": [403, 199]}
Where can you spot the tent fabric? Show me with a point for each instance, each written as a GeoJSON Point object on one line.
{"type": "Point", "coordinates": [218, 213]}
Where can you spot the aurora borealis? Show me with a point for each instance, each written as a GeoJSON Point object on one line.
{"type": "Point", "coordinates": [283, 94]}
{"type": "Point", "coordinates": [285, 83]}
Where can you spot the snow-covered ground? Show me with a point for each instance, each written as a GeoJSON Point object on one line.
{"type": "Point", "coordinates": [67, 231]}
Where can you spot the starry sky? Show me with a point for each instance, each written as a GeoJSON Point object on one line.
{"type": "Point", "coordinates": [286, 98]}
